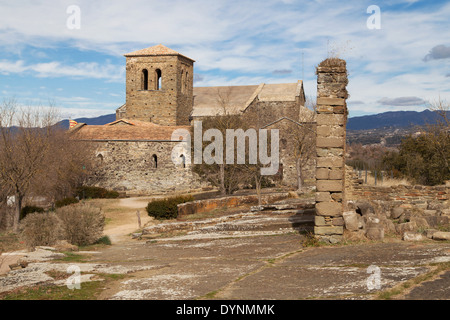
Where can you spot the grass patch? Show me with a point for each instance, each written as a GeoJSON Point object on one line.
{"type": "Point", "coordinates": [73, 257]}
{"type": "Point", "coordinates": [10, 242]}
{"type": "Point", "coordinates": [88, 290]}
{"type": "Point", "coordinates": [210, 295]}
{"type": "Point", "coordinates": [105, 240]}
{"type": "Point", "coordinates": [401, 288]}
{"type": "Point", "coordinates": [310, 240]}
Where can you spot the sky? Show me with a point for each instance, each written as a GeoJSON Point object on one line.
{"type": "Point", "coordinates": [70, 53]}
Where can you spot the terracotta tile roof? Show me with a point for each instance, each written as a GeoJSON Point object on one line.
{"type": "Point", "coordinates": [125, 129]}
{"type": "Point", "coordinates": [158, 50]}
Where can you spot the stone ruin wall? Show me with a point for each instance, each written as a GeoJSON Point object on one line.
{"type": "Point", "coordinates": [405, 196]}
{"type": "Point", "coordinates": [414, 212]}
{"type": "Point", "coordinates": [331, 122]}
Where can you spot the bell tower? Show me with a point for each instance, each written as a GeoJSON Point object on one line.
{"type": "Point", "coordinates": [159, 86]}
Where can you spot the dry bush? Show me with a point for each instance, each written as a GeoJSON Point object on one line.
{"type": "Point", "coordinates": [82, 224]}
{"type": "Point", "coordinates": [40, 229]}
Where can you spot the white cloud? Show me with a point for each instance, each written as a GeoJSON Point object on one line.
{"type": "Point", "coordinates": [238, 42]}
{"type": "Point", "coordinates": [52, 69]}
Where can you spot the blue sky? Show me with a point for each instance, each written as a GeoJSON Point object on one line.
{"type": "Point", "coordinates": [404, 65]}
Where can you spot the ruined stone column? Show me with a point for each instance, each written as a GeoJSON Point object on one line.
{"type": "Point", "coordinates": [330, 147]}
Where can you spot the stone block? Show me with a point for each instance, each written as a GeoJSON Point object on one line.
{"type": "Point", "coordinates": [331, 101]}
{"type": "Point", "coordinates": [338, 221]}
{"type": "Point", "coordinates": [323, 196]}
{"type": "Point", "coordinates": [330, 120]}
{"type": "Point", "coordinates": [440, 235]}
{"type": "Point", "coordinates": [330, 162]}
{"type": "Point", "coordinates": [413, 236]}
{"type": "Point", "coordinates": [333, 239]}
{"type": "Point", "coordinates": [397, 212]}
{"type": "Point", "coordinates": [323, 152]}
{"type": "Point", "coordinates": [420, 222]}
{"type": "Point", "coordinates": [336, 196]}
{"type": "Point", "coordinates": [322, 173]}
{"type": "Point", "coordinates": [403, 227]}
{"type": "Point", "coordinates": [330, 142]}
{"type": "Point", "coordinates": [328, 230]}
{"type": "Point", "coordinates": [335, 174]}
{"type": "Point", "coordinates": [333, 209]}
{"type": "Point", "coordinates": [330, 185]}
{"type": "Point", "coordinates": [323, 221]}
{"type": "Point", "coordinates": [323, 131]}
{"type": "Point", "coordinates": [375, 233]}
{"type": "Point", "coordinates": [351, 220]}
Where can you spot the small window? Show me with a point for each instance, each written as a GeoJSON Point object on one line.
{"type": "Point", "coordinates": [100, 159]}
{"type": "Point", "coordinates": [144, 84]}
{"type": "Point", "coordinates": [183, 161]}
{"type": "Point", "coordinates": [158, 79]}
{"type": "Point", "coordinates": [186, 82]}
{"type": "Point", "coordinates": [154, 163]}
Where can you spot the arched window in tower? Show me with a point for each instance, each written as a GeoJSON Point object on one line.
{"type": "Point", "coordinates": [186, 82]}
{"type": "Point", "coordinates": [144, 80]}
{"type": "Point", "coordinates": [154, 162]}
{"type": "Point", "coordinates": [158, 79]}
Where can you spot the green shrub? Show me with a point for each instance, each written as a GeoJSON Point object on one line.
{"type": "Point", "coordinates": [82, 224]}
{"type": "Point", "coordinates": [30, 209]}
{"type": "Point", "coordinates": [88, 192]}
{"type": "Point", "coordinates": [166, 208]}
{"type": "Point", "coordinates": [66, 201]}
{"type": "Point", "coordinates": [40, 229]}
{"type": "Point", "coordinates": [104, 240]}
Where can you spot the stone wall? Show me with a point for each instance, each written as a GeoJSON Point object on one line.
{"type": "Point", "coordinates": [331, 121]}
{"type": "Point", "coordinates": [130, 166]}
{"type": "Point", "coordinates": [169, 105]}
{"type": "Point", "coordinates": [206, 205]}
{"type": "Point", "coordinates": [412, 196]}
{"type": "Point", "coordinates": [413, 212]}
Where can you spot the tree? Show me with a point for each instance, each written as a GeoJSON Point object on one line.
{"type": "Point", "coordinates": [225, 176]}
{"type": "Point", "coordinates": [32, 157]}
{"type": "Point", "coordinates": [425, 158]}
{"type": "Point", "coordinates": [304, 144]}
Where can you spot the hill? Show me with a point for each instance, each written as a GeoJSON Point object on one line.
{"type": "Point", "coordinates": [397, 119]}
{"type": "Point", "coordinates": [391, 119]}
{"type": "Point", "coordinates": [107, 118]}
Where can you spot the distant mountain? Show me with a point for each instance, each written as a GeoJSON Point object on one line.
{"type": "Point", "coordinates": [397, 119]}
{"type": "Point", "coordinates": [107, 118]}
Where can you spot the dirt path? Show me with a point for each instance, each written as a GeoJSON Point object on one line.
{"type": "Point", "coordinates": [125, 221]}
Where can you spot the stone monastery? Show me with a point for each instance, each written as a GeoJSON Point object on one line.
{"type": "Point", "coordinates": [133, 153]}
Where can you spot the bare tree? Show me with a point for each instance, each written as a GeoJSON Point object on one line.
{"type": "Point", "coordinates": [302, 137]}
{"type": "Point", "coordinates": [34, 153]}
{"type": "Point", "coordinates": [226, 176]}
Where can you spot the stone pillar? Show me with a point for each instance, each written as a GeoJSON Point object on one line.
{"type": "Point", "coordinates": [330, 147]}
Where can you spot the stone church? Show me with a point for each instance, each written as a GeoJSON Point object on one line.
{"type": "Point", "coordinates": [133, 153]}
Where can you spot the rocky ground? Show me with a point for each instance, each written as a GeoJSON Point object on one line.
{"type": "Point", "coordinates": [245, 255]}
